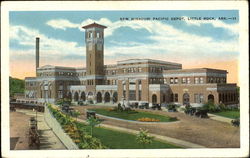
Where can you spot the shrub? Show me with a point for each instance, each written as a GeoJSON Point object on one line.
{"type": "Point", "coordinates": [236, 122]}
{"type": "Point", "coordinates": [172, 107]}
{"type": "Point", "coordinates": [76, 131]}
{"type": "Point", "coordinates": [173, 119]}
{"type": "Point", "coordinates": [211, 107]}
{"type": "Point", "coordinates": [90, 142]}
{"type": "Point", "coordinates": [222, 107]}
{"type": "Point", "coordinates": [92, 122]}
{"type": "Point", "coordinates": [143, 137]}
{"type": "Point", "coordinates": [80, 103]}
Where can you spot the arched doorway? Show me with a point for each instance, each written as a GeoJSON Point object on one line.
{"type": "Point", "coordinates": [115, 97]}
{"type": "Point", "coordinates": [69, 96]}
{"type": "Point", "coordinates": [154, 99]}
{"type": "Point", "coordinates": [107, 97]}
{"type": "Point", "coordinates": [186, 100]}
{"type": "Point", "coordinates": [76, 96]}
{"type": "Point", "coordinates": [83, 96]}
{"type": "Point", "coordinates": [90, 95]}
{"type": "Point", "coordinates": [99, 97]}
{"type": "Point", "coordinates": [210, 98]}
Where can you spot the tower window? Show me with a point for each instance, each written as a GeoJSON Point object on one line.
{"type": "Point", "coordinates": [90, 35]}
{"type": "Point", "coordinates": [98, 35]}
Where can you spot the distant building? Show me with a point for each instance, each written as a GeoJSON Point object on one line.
{"type": "Point", "coordinates": [134, 80]}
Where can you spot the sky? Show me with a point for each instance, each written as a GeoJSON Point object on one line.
{"type": "Point", "coordinates": [186, 37]}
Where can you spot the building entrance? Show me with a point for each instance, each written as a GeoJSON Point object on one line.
{"type": "Point", "coordinates": [186, 100]}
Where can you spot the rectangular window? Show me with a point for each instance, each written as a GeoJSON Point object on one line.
{"type": "Point", "coordinates": [165, 81]}
{"type": "Point", "coordinates": [201, 80]}
{"type": "Point", "coordinates": [196, 80]}
{"type": "Point", "coordinates": [139, 69]}
{"type": "Point", "coordinates": [196, 98]}
{"type": "Point", "coordinates": [171, 81]}
{"type": "Point", "coordinates": [175, 80]}
{"type": "Point", "coordinates": [201, 98]}
{"type": "Point", "coordinates": [60, 94]}
{"type": "Point", "coordinates": [172, 98]}
{"type": "Point", "coordinates": [184, 80]}
{"type": "Point", "coordinates": [211, 80]}
{"type": "Point", "coordinates": [188, 80]}
{"type": "Point", "coordinates": [176, 97]}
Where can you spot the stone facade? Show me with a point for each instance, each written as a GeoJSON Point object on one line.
{"type": "Point", "coordinates": [129, 81]}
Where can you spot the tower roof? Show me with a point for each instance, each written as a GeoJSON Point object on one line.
{"type": "Point", "coordinates": [94, 25]}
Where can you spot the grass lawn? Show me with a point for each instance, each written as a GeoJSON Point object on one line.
{"type": "Point", "coordinates": [132, 115]}
{"type": "Point", "coordinates": [120, 140]}
{"type": "Point", "coordinates": [229, 114]}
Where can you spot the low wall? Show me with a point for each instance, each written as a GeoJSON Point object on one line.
{"type": "Point", "coordinates": [57, 129]}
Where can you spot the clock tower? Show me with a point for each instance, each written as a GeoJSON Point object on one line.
{"type": "Point", "coordinates": [94, 39]}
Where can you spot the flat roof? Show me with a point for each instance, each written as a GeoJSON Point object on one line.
{"type": "Point", "coordinates": [195, 70]}
{"type": "Point", "coordinates": [129, 61]}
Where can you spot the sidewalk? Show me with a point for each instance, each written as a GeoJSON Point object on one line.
{"type": "Point", "coordinates": [219, 118]}
{"type": "Point", "coordinates": [48, 140]}
{"type": "Point", "coordinates": [178, 142]}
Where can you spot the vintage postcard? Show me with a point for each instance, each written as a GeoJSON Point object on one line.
{"type": "Point", "coordinates": [124, 79]}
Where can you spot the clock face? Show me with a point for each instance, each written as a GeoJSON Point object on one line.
{"type": "Point", "coordinates": [90, 46]}
{"type": "Point", "coordinates": [99, 46]}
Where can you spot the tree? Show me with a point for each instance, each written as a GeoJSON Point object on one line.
{"type": "Point", "coordinates": [143, 137]}
{"type": "Point", "coordinates": [76, 113]}
{"type": "Point", "coordinates": [16, 86]}
{"type": "Point", "coordinates": [92, 122]}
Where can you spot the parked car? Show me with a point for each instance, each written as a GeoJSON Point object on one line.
{"type": "Point", "coordinates": [143, 105]}
{"type": "Point", "coordinates": [202, 113]}
{"type": "Point", "coordinates": [156, 106]}
{"type": "Point", "coordinates": [172, 108]}
{"type": "Point", "coordinates": [190, 110]}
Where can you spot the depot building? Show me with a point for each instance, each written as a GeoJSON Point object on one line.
{"type": "Point", "coordinates": [128, 81]}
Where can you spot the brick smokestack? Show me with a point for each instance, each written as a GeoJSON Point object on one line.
{"type": "Point", "coordinates": [37, 52]}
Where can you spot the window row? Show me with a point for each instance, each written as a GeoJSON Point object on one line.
{"type": "Point", "coordinates": [174, 97]}
{"type": "Point", "coordinates": [132, 70]}
{"type": "Point", "coordinates": [97, 34]}
{"type": "Point", "coordinates": [157, 69]}
{"type": "Point", "coordinates": [198, 98]}
{"type": "Point", "coordinates": [186, 80]}
{"type": "Point", "coordinates": [216, 80]}
{"type": "Point", "coordinates": [30, 84]}
{"type": "Point", "coordinates": [110, 82]}
{"type": "Point", "coordinates": [110, 72]}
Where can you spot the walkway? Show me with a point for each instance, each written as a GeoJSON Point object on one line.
{"type": "Point", "coordinates": [48, 139]}
{"type": "Point", "coordinates": [204, 132]}
{"type": "Point", "coordinates": [219, 118]}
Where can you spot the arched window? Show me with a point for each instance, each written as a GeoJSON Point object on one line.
{"type": "Point", "coordinates": [154, 99]}
{"type": "Point", "coordinates": [210, 98]}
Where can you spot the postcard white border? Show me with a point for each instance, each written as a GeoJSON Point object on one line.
{"type": "Point", "coordinates": [242, 6]}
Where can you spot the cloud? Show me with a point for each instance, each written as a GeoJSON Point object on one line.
{"type": "Point", "coordinates": [231, 28]}
{"type": "Point", "coordinates": [169, 43]}
{"type": "Point", "coordinates": [62, 24]}
{"type": "Point", "coordinates": [49, 47]}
